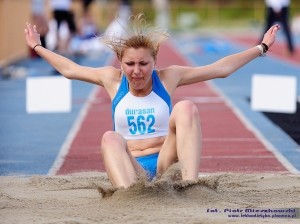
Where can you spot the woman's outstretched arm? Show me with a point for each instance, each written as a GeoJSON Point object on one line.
{"type": "Point", "coordinates": [183, 75]}
{"type": "Point", "coordinates": [63, 65]}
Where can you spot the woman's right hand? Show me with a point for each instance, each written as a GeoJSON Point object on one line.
{"type": "Point", "coordinates": [31, 35]}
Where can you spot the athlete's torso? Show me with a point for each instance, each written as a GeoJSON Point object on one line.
{"type": "Point", "coordinates": [139, 118]}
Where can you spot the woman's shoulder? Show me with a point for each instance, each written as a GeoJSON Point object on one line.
{"type": "Point", "coordinates": [168, 77]}
{"type": "Point", "coordinates": [110, 78]}
{"type": "Point", "coordinates": [108, 69]}
{"type": "Point", "coordinates": [109, 73]}
{"type": "Point", "coordinates": [168, 72]}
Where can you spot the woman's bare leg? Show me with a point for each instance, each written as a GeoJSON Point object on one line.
{"type": "Point", "coordinates": [183, 142]}
{"type": "Point", "coordinates": [120, 165]}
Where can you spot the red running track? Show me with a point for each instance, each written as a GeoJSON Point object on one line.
{"type": "Point", "coordinates": [228, 145]}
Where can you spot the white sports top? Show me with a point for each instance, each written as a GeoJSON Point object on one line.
{"type": "Point", "coordinates": [141, 117]}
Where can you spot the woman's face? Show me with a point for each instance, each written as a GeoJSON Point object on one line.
{"type": "Point", "coordinates": [138, 64]}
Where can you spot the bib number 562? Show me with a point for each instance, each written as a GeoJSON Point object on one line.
{"type": "Point", "coordinates": [141, 124]}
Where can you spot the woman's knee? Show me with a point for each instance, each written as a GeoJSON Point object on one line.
{"type": "Point", "coordinates": [186, 110]}
{"type": "Point", "coordinates": [112, 139]}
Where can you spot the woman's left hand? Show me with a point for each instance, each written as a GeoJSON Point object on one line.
{"type": "Point", "coordinates": [270, 35]}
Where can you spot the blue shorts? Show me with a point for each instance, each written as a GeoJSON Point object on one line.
{"type": "Point", "coordinates": [149, 163]}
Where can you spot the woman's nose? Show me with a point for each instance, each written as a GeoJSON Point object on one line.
{"type": "Point", "coordinates": [136, 69]}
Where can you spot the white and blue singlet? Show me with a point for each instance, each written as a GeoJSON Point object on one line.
{"type": "Point", "coordinates": [141, 117]}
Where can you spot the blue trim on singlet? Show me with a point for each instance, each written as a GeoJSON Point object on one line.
{"type": "Point", "coordinates": [157, 87]}
{"type": "Point", "coordinates": [123, 90]}
{"type": "Point", "coordinates": [160, 90]}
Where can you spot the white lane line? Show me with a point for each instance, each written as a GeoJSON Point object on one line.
{"type": "Point", "coordinates": [64, 150]}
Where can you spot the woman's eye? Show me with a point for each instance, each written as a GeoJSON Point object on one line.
{"type": "Point", "coordinates": [129, 63]}
{"type": "Point", "coordinates": [143, 63]}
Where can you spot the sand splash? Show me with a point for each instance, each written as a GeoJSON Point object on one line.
{"type": "Point", "coordinates": [76, 199]}
{"type": "Point", "coordinates": [167, 189]}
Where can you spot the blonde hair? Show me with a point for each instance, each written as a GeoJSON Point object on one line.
{"type": "Point", "coordinates": [138, 35]}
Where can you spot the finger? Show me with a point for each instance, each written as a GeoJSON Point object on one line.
{"type": "Point", "coordinates": [275, 28]}
{"type": "Point", "coordinates": [271, 29]}
{"type": "Point", "coordinates": [29, 28]}
{"type": "Point", "coordinates": [28, 25]}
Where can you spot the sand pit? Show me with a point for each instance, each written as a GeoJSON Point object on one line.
{"type": "Point", "coordinates": [211, 199]}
